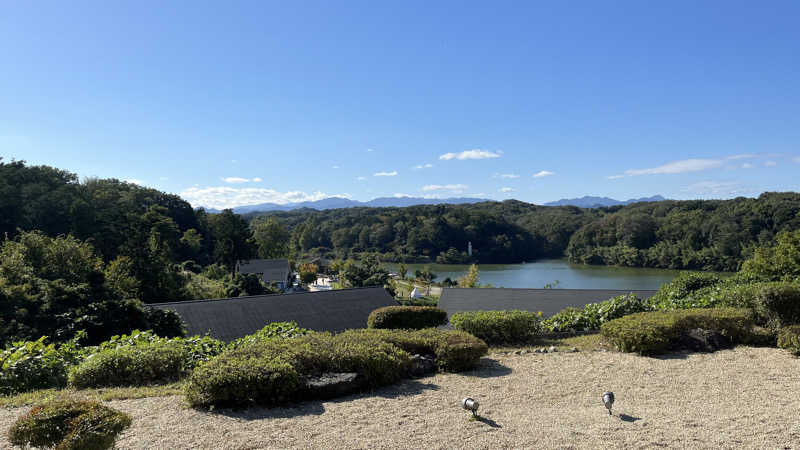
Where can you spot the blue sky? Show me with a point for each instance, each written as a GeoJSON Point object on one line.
{"type": "Point", "coordinates": [230, 103]}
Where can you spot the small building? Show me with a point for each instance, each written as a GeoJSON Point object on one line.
{"type": "Point", "coordinates": [232, 318]}
{"type": "Point", "coordinates": [270, 270]}
{"type": "Point", "coordinates": [323, 264]}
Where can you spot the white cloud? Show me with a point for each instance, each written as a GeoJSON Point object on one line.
{"type": "Point", "coordinates": [335, 167]}
{"type": "Point", "coordinates": [423, 166]}
{"type": "Point", "coordinates": [796, 159]}
{"type": "Point", "coordinates": [455, 188]}
{"type": "Point", "coordinates": [229, 197]}
{"type": "Point", "coordinates": [256, 180]}
{"type": "Point", "coordinates": [743, 156]}
{"type": "Point", "coordinates": [361, 178]}
{"type": "Point", "coordinates": [543, 173]}
{"type": "Point", "coordinates": [770, 164]}
{"type": "Point", "coordinates": [506, 189]}
{"type": "Point", "coordinates": [400, 195]}
{"type": "Point", "coordinates": [471, 154]}
{"type": "Point", "coordinates": [747, 166]}
{"type": "Point", "coordinates": [385, 174]}
{"type": "Point", "coordinates": [686, 165]}
{"type": "Point", "coordinates": [133, 181]}
{"type": "Point", "coordinates": [716, 188]}
{"type": "Point", "coordinates": [615, 177]}
{"type": "Point", "coordinates": [234, 161]}
{"type": "Point", "coordinates": [370, 150]}
{"type": "Point", "coordinates": [236, 180]}
{"type": "Point", "coordinates": [509, 175]}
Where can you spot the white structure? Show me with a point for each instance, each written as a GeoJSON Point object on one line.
{"type": "Point", "coordinates": [469, 248]}
{"type": "Point", "coordinates": [414, 293]}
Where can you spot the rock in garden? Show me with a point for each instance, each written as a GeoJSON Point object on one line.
{"type": "Point", "coordinates": [422, 365]}
{"type": "Point", "coordinates": [331, 385]}
{"type": "Point", "coordinates": [553, 349]}
{"type": "Point", "coordinates": [700, 340]}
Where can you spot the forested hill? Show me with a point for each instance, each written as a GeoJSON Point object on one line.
{"type": "Point", "coordinates": [156, 231]}
{"type": "Point", "coordinates": [698, 234]}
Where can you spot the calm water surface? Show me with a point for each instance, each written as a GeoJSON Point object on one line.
{"type": "Point", "coordinates": [570, 276]}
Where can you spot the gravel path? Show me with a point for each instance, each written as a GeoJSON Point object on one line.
{"type": "Point", "coordinates": [741, 398]}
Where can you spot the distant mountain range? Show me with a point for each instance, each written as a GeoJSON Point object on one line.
{"type": "Point", "coordinates": [338, 202]}
{"type": "Point", "coordinates": [383, 202]}
{"type": "Point", "coordinates": [597, 202]}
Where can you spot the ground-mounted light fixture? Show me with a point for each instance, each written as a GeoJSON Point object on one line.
{"type": "Point", "coordinates": [608, 400]}
{"type": "Point", "coordinates": [471, 405]}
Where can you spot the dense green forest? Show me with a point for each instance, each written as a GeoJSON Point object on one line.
{"type": "Point", "coordinates": [697, 234]}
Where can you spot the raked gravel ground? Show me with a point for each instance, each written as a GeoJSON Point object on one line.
{"type": "Point", "coordinates": [741, 398]}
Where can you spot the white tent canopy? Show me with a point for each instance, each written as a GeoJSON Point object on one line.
{"type": "Point", "coordinates": [414, 294]}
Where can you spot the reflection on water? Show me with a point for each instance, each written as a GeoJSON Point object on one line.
{"type": "Point", "coordinates": [540, 273]}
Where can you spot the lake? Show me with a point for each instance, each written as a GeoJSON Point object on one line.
{"type": "Point", "coordinates": [570, 276]}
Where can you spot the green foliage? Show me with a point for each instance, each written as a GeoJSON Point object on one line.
{"type": "Point", "coordinates": [778, 263]}
{"type": "Point", "coordinates": [56, 287]}
{"type": "Point", "coordinates": [136, 365]}
{"type": "Point", "coordinates": [270, 372]}
{"type": "Point", "coordinates": [789, 339]}
{"type": "Point", "coordinates": [308, 273]}
{"type": "Point", "coordinates": [470, 279]}
{"type": "Point", "coordinates": [499, 327]}
{"type": "Point", "coordinates": [272, 331]}
{"type": "Point", "coordinates": [685, 292]}
{"type": "Point", "coordinates": [779, 304]}
{"type": "Point", "coordinates": [68, 424]}
{"type": "Point", "coordinates": [272, 238]}
{"type": "Point", "coordinates": [233, 240]}
{"type": "Point", "coordinates": [593, 315]}
{"type": "Point", "coordinates": [656, 332]}
{"type": "Point", "coordinates": [407, 317]}
{"type": "Point", "coordinates": [26, 366]}
{"type": "Point", "coordinates": [369, 272]}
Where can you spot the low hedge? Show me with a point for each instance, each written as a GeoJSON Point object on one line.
{"type": "Point", "coordinates": [407, 317]}
{"type": "Point", "coordinates": [30, 365]}
{"type": "Point", "coordinates": [68, 424]}
{"type": "Point", "coordinates": [131, 366]}
{"type": "Point", "coordinates": [789, 338]}
{"type": "Point", "coordinates": [274, 372]}
{"type": "Point", "coordinates": [499, 327]}
{"type": "Point", "coordinates": [657, 331]}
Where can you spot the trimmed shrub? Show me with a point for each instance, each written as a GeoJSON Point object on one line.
{"type": "Point", "coordinates": [499, 327]}
{"type": "Point", "coordinates": [407, 317]}
{"type": "Point", "coordinates": [455, 351]}
{"type": "Point", "coordinates": [685, 291]}
{"type": "Point", "coordinates": [135, 365]}
{"type": "Point", "coordinates": [593, 315]}
{"type": "Point", "coordinates": [789, 338]}
{"type": "Point", "coordinates": [657, 331]}
{"type": "Point", "coordinates": [779, 304]}
{"type": "Point", "coordinates": [69, 424]}
{"type": "Point", "coordinates": [274, 371]}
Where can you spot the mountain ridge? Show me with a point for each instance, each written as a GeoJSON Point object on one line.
{"type": "Point", "coordinates": [588, 201]}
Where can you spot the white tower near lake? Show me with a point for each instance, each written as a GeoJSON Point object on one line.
{"type": "Point", "coordinates": [469, 248]}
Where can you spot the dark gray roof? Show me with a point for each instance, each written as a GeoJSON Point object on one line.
{"type": "Point", "coordinates": [232, 318]}
{"type": "Point", "coordinates": [548, 301]}
{"type": "Point", "coordinates": [272, 269]}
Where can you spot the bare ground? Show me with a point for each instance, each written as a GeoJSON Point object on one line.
{"type": "Point", "coordinates": [741, 398]}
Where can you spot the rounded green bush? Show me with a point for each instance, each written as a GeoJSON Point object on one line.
{"type": "Point", "coordinates": [69, 424]}
{"type": "Point", "coordinates": [131, 366]}
{"type": "Point", "coordinates": [789, 339]}
{"type": "Point", "coordinates": [275, 371]}
{"type": "Point", "coordinates": [593, 315]}
{"type": "Point", "coordinates": [655, 332]}
{"type": "Point", "coordinates": [499, 327]}
{"type": "Point", "coordinates": [779, 303]}
{"type": "Point", "coordinates": [407, 317]}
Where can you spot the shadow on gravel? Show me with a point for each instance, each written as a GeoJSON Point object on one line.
{"type": "Point", "coordinates": [488, 368]}
{"type": "Point", "coordinates": [488, 421]}
{"type": "Point", "coordinates": [317, 407]}
{"type": "Point", "coordinates": [627, 418]}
